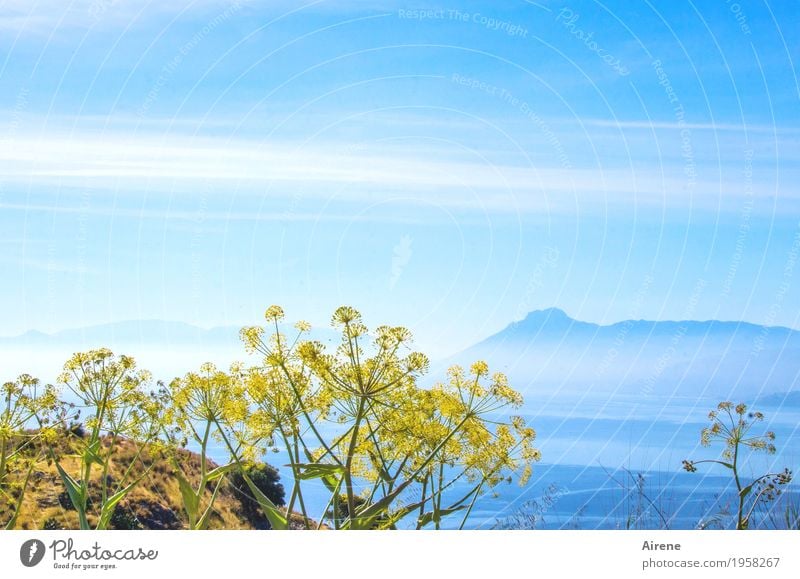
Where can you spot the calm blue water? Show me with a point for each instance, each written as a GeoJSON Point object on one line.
{"type": "Point", "coordinates": [580, 497]}
{"type": "Point", "coordinates": [592, 453]}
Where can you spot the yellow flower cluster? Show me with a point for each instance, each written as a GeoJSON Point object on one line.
{"type": "Point", "coordinates": [356, 416]}
{"type": "Point", "coordinates": [391, 430]}
{"type": "Point", "coordinates": [731, 424]}
{"type": "Point", "coordinates": [24, 402]}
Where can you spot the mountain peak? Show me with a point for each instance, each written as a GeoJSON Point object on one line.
{"type": "Point", "coordinates": [550, 319]}
{"type": "Point", "coordinates": [547, 314]}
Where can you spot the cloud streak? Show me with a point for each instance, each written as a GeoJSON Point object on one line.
{"type": "Point", "coordinates": [49, 15]}
{"type": "Point", "coordinates": [45, 16]}
{"type": "Point", "coordinates": [346, 172]}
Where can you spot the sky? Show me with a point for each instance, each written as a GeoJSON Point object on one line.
{"type": "Point", "coordinates": [447, 166]}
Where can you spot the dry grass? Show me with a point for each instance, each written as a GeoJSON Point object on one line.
{"type": "Point", "coordinates": [155, 503]}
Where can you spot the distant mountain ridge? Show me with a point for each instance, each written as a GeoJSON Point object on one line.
{"type": "Point", "coordinates": [554, 319]}
{"type": "Point", "coordinates": [167, 348]}
{"type": "Point", "coordinates": [547, 351]}
{"type": "Point", "coordinates": [718, 358]}
{"type": "Point", "coordinates": [781, 400]}
{"type": "Point", "coordinates": [128, 330]}
{"type": "Point", "coordinates": [146, 331]}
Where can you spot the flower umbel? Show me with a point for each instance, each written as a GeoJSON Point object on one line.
{"type": "Point", "coordinates": [731, 425]}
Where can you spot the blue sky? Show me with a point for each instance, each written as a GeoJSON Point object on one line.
{"type": "Point", "coordinates": [446, 166]}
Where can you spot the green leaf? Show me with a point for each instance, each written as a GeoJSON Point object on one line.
{"type": "Point", "coordinates": [75, 490]}
{"type": "Point", "coordinates": [108, 508]}
{"type": "Point", "coordinates": [274, 515]}
{"type": "Point", "coordinates": [315, 470]}
{"type": "Point", "coordinates": [77, 495]}
{"type": "Point", "coordinates": [746, 491]}
{"type": "Point", "coordinates": [431, 517]}
{"type": "Point", "coordinates": [331, 483]}
{"type": "Point", "coordinates": [203, 522]}
{"type": "Point", "coordinates": [91, 454]}
{"type": "Point", "coordinates": [191, 500]}
{"type": "Point", "coordinates": [365, 517]}
{"type": "Point", "coordinates": [330, 474]}
{"type": "Point", "coordinates": [401, 513]}
{"type": "Point", "coordinates": [220, 471]}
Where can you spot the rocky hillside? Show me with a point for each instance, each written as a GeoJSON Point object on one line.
{"type": "Point", "coordinates": [155, 503]}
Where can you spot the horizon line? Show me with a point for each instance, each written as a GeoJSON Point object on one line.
{"type": "Point", "coordinates": [327, 326]}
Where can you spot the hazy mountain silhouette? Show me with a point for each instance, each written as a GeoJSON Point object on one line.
{"type": "Point", "coordinates": [166, 348]}
{"type": "Point", "coordinates": [547, 352]}
{"type": "Point", "coordinates": [549, 349]}
{"type": "Point", "coordinates": [145, 332]}
{"type": "Point", "coordinates": [127, 332]}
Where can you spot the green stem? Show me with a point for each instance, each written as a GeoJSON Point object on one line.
{"type": "Point", "coordinates": [2, 459]}
{"type": "Point", "coordinates": [106, 465]}
{"type": "Point", "coordinates": [306, 415]}
{"type": "Point", "coordinates": [331, 502]}
{"type": "Point", "coordinates": [740, 524]}
{"type": "Point", "coordinates": [203, 464]}
{"type": "Point", "coordinates": [294, 457]}
{"type": "Point", "coordinates": [348, 479]}
{"type": "Point", "coordinates": [299, 489]}
{"type": "Point", "coordinates": [422, 502]}
{"type": "Point", "coordinates": [83, 521]}
{"type": "Point", "coordinates": [472, 504]}
{"type": "Point", "coordinates": [437, 500]}
{"type": "Point", "coordinates": [273, 517]}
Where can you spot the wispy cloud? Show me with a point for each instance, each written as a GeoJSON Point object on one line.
{"type": "Point", "coordinates": [53, 15]}
{"type": "Point", "coordinates": [714, 127]}
{"type": "Point", "coordinates": [348, 172]}
{"type": "Point", "coordinates": [50, 15]}
{"type": "Point", "coordinates": [183, 220]}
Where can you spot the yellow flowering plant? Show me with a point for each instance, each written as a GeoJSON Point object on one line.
{"type": "Point", "coordinates": [731, 425]}
{"type": "Point", "coordinates": [199, 402]}
{"type": "Point", "coordinates": [384, 447]}
{"type": "Point", "coordinates": [276, 419]}
{"type": "Point", "coordinates": [355, 420]}
{"type": "Point", "coordinates": [23, 400]}
{"type": "Point", "coordinates": [119, 410]}
{"type": "Point", "coordinates": [210, 405]}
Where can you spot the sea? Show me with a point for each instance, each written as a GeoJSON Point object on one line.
{"type": "Point", "coordinates": [615, 462]}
